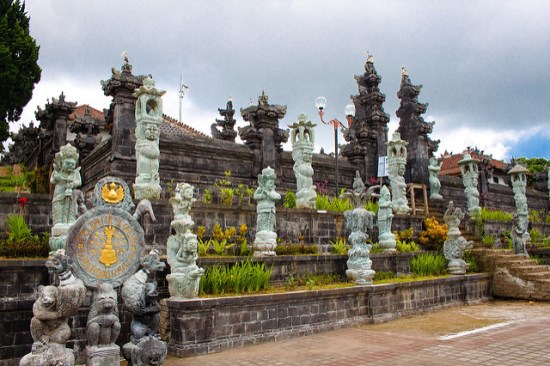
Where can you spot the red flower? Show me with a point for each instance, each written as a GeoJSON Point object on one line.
{"type": "Point", "coordinates": [22, 201]}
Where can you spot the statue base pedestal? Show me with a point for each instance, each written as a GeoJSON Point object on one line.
{"type": "Point", "coordinates": [264, 244]}
{"type": "Point", "coordinates": [436, 196]}
{"type": "Point", "coordinates": [457, 267]}
{"type": "Point", "coordinates": [361, 277]}
{"type": "Point", "coordinates": [103, 356]}
{"type": "Point", "coordinates": [150, 191]}
{"type": "Point", "coordinates": [387, 241]}
{"type": "Point", "coordinates": [51, 354]}
{"type": "Point", "coordinates": [184, 285]}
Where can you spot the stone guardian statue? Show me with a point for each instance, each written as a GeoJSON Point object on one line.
{"type": "Point", "coordinates": [386, 238]}
{"type": "Point", "coordinates": [359, 220]}
{"type": "Point", "coordinates": [302, 137]}
{"type": "Point", "coordinates": [470, 171]}
{"type": "Point", "coordinates": [66, 178]}
{"type": "Point", "coordinates": [184, 279]}
{"type": "Point", "coordinates": [148, 121]}
{"type": "Point", "coordinates": [435, 185]}
{"type": "Point", "coordinates": [455, 245]}
{"type": "Point", "coordinates": [397, 160]}
{"type": "Point", "coordinates": [520, 235]}
{"type": "Point", "coordinates": [265, 241]}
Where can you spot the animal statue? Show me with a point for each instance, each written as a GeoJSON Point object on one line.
{"type": "Point", "coordinates": [48, 325]}
{"type": "Point", "coordinates": [149, 352]}
{"type": "Point", "coordinates": [103, 326]}
{"type": "Point", "coordinates": [140, 299]}
{"type": "Point", "coordinates": [144, 207]}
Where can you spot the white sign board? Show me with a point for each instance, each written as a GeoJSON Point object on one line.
{"type": "Point", "coordinates": [382, 166]}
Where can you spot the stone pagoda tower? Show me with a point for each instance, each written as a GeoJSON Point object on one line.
{"type": "Point", "coordinates": [369, 132]}
{"type": "Point", "coordinates": [263, 135]}
{"type": "Point", "coordinates": [223, 129]}
{"type": "Point", "coordinates": [415, 130]}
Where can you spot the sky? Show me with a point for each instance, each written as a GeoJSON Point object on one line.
{"type": "Point", "coordinates": [483, 64]}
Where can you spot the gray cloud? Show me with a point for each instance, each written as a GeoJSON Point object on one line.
{"type": "Point", "coordinates": [481, 63]}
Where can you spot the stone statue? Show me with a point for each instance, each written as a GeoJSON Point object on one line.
{"type": "Point", "coordinates": [359, 264]}
{"type": "Point", "coordinates": [149, 352]}
{"type": "Point", "coordinates": [455, 245]}
{"type": "Point", "coordinates": [302, 138]}
{"type": "Point", "coordinates": [184, 279]}
{"type": "Point", "coordinates": [360, 193]}
{"type": "Point", "coordinates": [433, 168]}
{"type": "Point", "coordinates": [520, 235]}
{"type": "Point", "coordinates": [66, 178]}
{"type": "Point", "coordinates": [148, 120]}
{"type": "Point", "coordinates": [49, 330]}
{"type": "Point", "coordinates": [397, 160]}
{"type": "Point", "coordinates": [385, 237]}
{"type": "Point", "coordinates": [52, 310]}
{"type": "Point", "coordinates": [266, 237]}
{"type": "Point", "coordinates": [103, 328]}
{"type": "Point", "coordinates": [141, 299]}
{"type": "Point", "coordinates": [469, 169]}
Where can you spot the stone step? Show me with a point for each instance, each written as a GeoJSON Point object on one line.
{"type": "Point", "coordinates": [535, 276]}
{"type": "Point", "coordinates": [528, 269]}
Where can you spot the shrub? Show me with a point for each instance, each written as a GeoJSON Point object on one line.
{"type": "Point", "coordinates": [241, 277]}
{"type": "Point", "coordinates": [338, 204]}
{"type": "Point", "coordinates": [536, 236]}
{"type": "Point", "coordinates": [406, 247]}
{"type": "Point", "coordinates": [20, 242]}
{"type": "Point", "coordinates": [376, 248]}
{"type": "Point", "coordinates": [207, 196]}
{"type": "Point", "coordinates": [535, 216]}
{"type": "Point", "coordinates": [289, 200]}
{"type": "Point", "coordinates": [381, 275]}
{"type": "Point", "coordinates": [296, 249]}
{"type": "Point", "coordinates": [488, 240]}
{"type": "Point", "coordinates": [340, 246]}
{"type": "Point", "coordinates": [372, 206]}
{"type": "Point", "coordinates": [495, 215]}
{"type": "Point", "coordinates": [434, 235]}
{"type": "Point", "coordinates": [404, 235]}
{"type": "Point", "coordinates": [428, 264]}
{"type": "Point", "coordinates": [472, 261]}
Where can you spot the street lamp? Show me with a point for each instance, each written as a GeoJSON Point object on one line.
{"type": "Point", "coordinates": [349, 111]}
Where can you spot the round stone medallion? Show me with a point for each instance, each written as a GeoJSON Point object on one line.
{"type": "Point", "coordinates": [104, 245]}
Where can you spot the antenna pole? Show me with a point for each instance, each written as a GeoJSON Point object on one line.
{"type": "Point", "coordinates": [181, 94]}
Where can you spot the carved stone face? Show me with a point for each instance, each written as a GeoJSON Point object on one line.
{"type": "Point", "coordinates": [151, 132]}
{"type": "Point", "coordinates": [69, 164]}
{"type": "Point", "coordinates": [48, 296]}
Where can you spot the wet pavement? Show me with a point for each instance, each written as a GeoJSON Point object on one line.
{"type": "Point", "coordinates": [492, 333]}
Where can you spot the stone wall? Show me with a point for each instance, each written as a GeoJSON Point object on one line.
{"type": "Point", "coordinates": [204, 326]}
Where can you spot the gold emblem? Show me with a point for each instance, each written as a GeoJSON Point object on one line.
{"type": "Point", "coordinates": [111, 194]}
{"type": "Point", "coordinates": [108, 254]}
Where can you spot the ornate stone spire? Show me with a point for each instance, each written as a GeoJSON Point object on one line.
{"type": "Point", "coordinates": [223, 129]}
{"type": "Point", "coordinates": [415, 130]}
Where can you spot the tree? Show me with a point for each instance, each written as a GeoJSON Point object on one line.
{"type": "Point", "coordinates": [19, 70]}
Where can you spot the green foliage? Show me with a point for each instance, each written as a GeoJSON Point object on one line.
{"type": "Point", "coordinates": [20, 242]}
{"type": "Point", "coordinates": [376, 248]}
{"type": "Point", "coordinates": [495, 215]}
{"type": "Point", "coordinates": [202, 247]}
{"type": "Point", "coordinates": [434, 235]}
{"type": "Point", "coordinates": [535, 165]}
{"type": "Point", "coordinates": [289, 200]}
{"type": "Point", "coordinates": [207, 196]}
{"type": "Point", "coordinates": [221, 246]}
{"type": "Point", "coordinates": [488, 240]}
{"type": "Point", "coordinates": [241, 277]}
{"type": "Point", "coordinates": [404, 235]}
{"type": "Point", "coordinates": [536, 236]}
{"type": "Point", "coordinates": [381, 275]}
{"type": "Point", "coordinates": [404, 247]}
{"type": "Point", "coordinates": [19, 70]}
{"type": "Point", "coordinates": [329, 203]}
{"type": "Point", "coordinates": [310, 283]}
{"type": "Point", "coordinates": [340, 246]}
{"type": "Point", "coordinates": [428, 264]}
{"type": "Point", "coordinates": [296, 249]}
{"type": "Point", "coordinates": [536, 216]}
{"type": "Point", "coordinates": [470, 258]}
{"type": "Point", "coordinates": [243, 191]}
{"type": "Point", "coordinates": [290, 282]}
{"type": "Point", "coordinates": [506, 239]}
{"type": "Point", "coordinates": [372, 206]}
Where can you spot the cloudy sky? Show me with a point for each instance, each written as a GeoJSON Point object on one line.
{"type": "Point", "coordinates": [484, 64]}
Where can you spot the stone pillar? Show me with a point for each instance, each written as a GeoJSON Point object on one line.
{"type": "Point", "coordinates": [397, 158]}
{"type": "Point", "coordinates": [469, 169]}
{"type": "Point", "coordinates": [121, 116]}
{"type": "Point", "coordinates": [263, 135]}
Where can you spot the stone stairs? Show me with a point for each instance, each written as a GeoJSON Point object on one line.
{"type": "Point", "coordinates": [515, 276]}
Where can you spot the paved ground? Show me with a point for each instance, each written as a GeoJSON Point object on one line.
{"type": "Point", "coordinates": [494, 333]}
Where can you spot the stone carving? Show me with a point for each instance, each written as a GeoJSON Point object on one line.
{"type": "Point", "coordinates": [52, 310]}
{"type": "Point", "coordinates": [148, 120]}
{"type": "Point", "coordinates": [149, 352]}
{"type": "Point", "coordinates": [359, 194]}
{"type": "Point", "coordinates": [266, 237]}
{"type": "Point", "coordinates": [520, 235]}
{"type": "Point", "coordinates": [66, 178]}
{"type": "Point", "coordinates": [469, 169]}
{"type": "Point", "coordinates": [359, 264]}
{"type": "Point", "coordinates": [303, 138]}
{"type": "Point", "coordinates": [103, 328]}
{"type": "Point", "coordinates": [184, 279]}
{"type": "Point", "coordinates": [433, 168]}
{"type": "Point", "coordinates": [455, 245]}
{"type": "Point", "coordinates": [386, 238]}
{"type": "Point", "coordinates": [141, 299]}
{"type": "Point", "coordinates": [397, 159]}
{"type": "Point", "coordinates": [223, 129]}
{"type": "Point", "coordinates": [105, 242]}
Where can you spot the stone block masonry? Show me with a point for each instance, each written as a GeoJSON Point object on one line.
{"type": "Point", "coordinates": [211, 325]}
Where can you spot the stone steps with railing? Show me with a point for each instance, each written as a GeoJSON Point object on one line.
{"type": "Point", "coordinates": [515, 276]}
